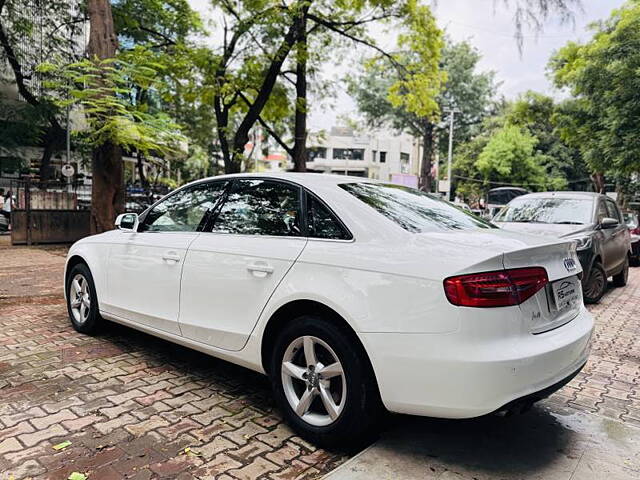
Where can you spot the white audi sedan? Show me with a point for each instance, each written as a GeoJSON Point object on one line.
{"type": "Point", "coordinates": [352, 295]}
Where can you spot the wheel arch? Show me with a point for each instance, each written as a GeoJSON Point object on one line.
{"type": "Point", "coordinates": [289, 311]}
{"type": "Point", "coordinates": [72, 262]}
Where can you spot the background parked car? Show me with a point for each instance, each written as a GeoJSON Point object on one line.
{"type": "Point", "coordinates": [594, 221]}
{"type": "Point", "coordinates": [499, 197]}
{"type": "Point", "coordinates": [631, 219]}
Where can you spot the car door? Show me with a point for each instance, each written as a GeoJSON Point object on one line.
{"type": "Point", "coordinates": [607, 247]}
{"type": "Point", "coordinates": [619, 234]}
{"type": "Point", "coordinates": [143, 279]}
{"type": "Point", "coordinates": [231, 271]}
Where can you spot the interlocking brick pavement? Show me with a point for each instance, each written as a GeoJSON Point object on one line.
{"type": "Point", "coordinates": [609, 385]}
{"type": "Point", "coordinates": [130, 403]}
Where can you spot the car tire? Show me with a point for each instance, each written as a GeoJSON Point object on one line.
{"type": "Point", "coordinates": [620, 280]}
{"type": "Point", "coordinates": [595, 285]}
{"type": "Point", "coordinates": [82, 301]}
{"type": "Point", "coordinates": [298, 387]}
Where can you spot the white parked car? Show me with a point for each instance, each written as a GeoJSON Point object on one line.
{"type": "Point", "coordinates": [350, 294]}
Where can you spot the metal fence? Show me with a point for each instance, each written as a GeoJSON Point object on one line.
{"type": "Point", "coordinates": [48, 212]}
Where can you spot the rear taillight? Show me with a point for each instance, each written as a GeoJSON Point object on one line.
{"type": "Point", "coordinates": [635, 231]}
{"type": "Point", "coordinates": [495, 289]}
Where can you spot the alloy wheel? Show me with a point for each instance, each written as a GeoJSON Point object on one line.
{"type": "Point", "coordinates": [596, 283]}
{"type": "Point", "coordinates": [80, 298]}
{"type": "Point", "coordinates": [314, 381]}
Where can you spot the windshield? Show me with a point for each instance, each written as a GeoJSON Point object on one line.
{"type": "Point", "coordinates": [414, 210]}
{"type": "Point", "coordinates": [547, 210]}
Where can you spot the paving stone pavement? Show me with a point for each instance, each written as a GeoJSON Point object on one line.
{"type": "Point", "coordinates": [609, 385]}
{"type": "Point", "coordinates": [130, 404]}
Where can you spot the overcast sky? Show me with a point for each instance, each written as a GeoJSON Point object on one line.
{"type": "Point", "coordinates": [492, 32]}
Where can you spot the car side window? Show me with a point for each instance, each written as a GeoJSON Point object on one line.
{"type": "Point", "coordinates": [185, 210]}
{"type": "Point", "coordinates": [613, 210]}
{"type": "Point", "coordinates": [260, 207]}
{"type": "Point", "coordinates": [602, 211]}
{"type": "Point", "coordinates": [322, 223]}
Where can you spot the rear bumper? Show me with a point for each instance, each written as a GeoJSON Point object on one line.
{"type": "Point", "coordinates": [457, 376]}
{"type": "Point", "coordinates": [523, 403]}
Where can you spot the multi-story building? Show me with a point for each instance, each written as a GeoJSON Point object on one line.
{"type": "Point", "coordinates": [52, 34]}
{"type": "Point", "coordinates": [377, 155]}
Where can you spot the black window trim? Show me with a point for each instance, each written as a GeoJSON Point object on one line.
{"type": "Point", "coordinates": [204, 222]}
{"type": "Point", "coordinates": [231, 181]}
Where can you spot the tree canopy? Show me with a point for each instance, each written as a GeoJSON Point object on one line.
{"type": "Point", "coordinates": [601, 119]}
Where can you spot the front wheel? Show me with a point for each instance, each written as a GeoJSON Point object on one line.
{"type": "Point", "coordinates": [324, 384]}
{"type": "Point", "coordinates": [82, 301]}
{"type": "Point", "coordinates": [596, 284]}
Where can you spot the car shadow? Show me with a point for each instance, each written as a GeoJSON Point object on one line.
{"type": "Point", "coordinates": [514, 446]}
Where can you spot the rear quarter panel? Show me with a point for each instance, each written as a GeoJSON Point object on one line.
{"type": "Point", "coordinates": [372, 298]}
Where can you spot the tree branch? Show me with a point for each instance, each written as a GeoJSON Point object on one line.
{"type": "Point", "coordinates": [270, 130]}
{"type": "Point", "coordinates": [331, 26]}
{"type": "Point", "coordinates": [166, 38]}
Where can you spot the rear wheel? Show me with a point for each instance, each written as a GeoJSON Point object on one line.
{"type": "Point", "coordinates": [82, 302]}
{"type": "Point", "coordinates": [620, 280]}
{"type": "Point", "coordinates": [596, 284]}
{"type": "Point", "coordinates": [324, 384]}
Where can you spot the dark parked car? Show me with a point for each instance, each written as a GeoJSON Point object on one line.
{"type": "Point", "coordinates": [631, 219]}
{"type": "Point", "coordinates": [594, 221]}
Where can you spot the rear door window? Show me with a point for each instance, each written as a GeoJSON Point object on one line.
{"type": "Point", "coordinates": [260, 207]}
{"type": "Point", "coordinates": [613, 210]}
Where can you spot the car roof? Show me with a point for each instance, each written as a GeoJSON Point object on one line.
{"type": "Point", "coordinates": [565, 195]}
{"type": "Point", "coordinates": [307, 179]}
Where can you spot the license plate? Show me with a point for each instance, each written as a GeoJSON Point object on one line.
{"type": "Point", "coordinates": [566, 293]}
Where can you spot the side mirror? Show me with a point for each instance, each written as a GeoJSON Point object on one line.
{"type": "Point", "coordinates": [127, 222]}
{"type": "Point", "coordinates": [608, 222]}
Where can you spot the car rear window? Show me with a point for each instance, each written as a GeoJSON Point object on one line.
{"type": "Point", "coordinates": [413, 210]}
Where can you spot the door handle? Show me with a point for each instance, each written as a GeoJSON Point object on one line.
{"type": "Point", "coordinates": [260, 267]}
{"type": "Point", "coordinates": [171, 257]}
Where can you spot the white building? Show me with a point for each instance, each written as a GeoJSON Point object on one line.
{"type": "Point", "coordinates": [378, 155]}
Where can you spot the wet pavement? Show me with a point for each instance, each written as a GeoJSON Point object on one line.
{"type": "Point", "coordinates": [543, 444]}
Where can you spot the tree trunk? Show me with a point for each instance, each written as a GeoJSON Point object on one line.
{"type": "Point", "coordinates": [52, 142]}
{"type": "Point", "coordinates": [241, 136]}
{"type": "Point", "coordinates": [598, 182]}
{"type": "Point", "coordinates": [427, 155]}
{"type": "Point", "coordinates": [107, 193]}
{"type": "Point", "coordinates": [144, 182]}
{"type": "Point", "coordinates": [300, 129]}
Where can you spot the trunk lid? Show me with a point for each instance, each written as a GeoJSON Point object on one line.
{"type": "Point", "coordinates": [561, 299]}
{"type": "Point", "coordinates": [498, 249]}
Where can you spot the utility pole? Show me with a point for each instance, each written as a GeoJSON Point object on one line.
{"type": "Point", "coordinates": [451, 112]}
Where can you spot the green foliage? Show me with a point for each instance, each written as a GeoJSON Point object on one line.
{"type": "Point", "coordinates": [602, 75]}
{"type": "Point", "coordinates": [466, 88]}
{"type": "Point", "coordinates": [420, 79]}
{"type": "Point", "coordinates": [509, 157]}
{"type": "Point", "coordinates": [103, 90]}
{"type": "Point", "coordinates": [161, 23]}
{"type": "Point", "coordinates": [536, 112]}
